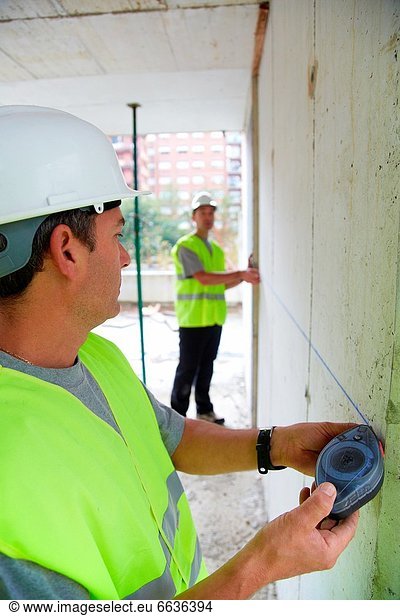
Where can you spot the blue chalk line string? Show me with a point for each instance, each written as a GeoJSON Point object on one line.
{"type": "Point", "coordinates": [317, 353]}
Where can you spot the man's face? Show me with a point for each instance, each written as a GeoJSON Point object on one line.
{"type": "Point", "coordinates": [103, 275]}
{"type": "Point", "coordinates": [204, 217]}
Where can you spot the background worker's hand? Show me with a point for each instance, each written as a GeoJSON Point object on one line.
{"type": "Point", "coordinates": [251, 275]}
{"type": "Point", "coordinates": [299, 541]}
{"type": "Point", "coordinates": [299, 445]}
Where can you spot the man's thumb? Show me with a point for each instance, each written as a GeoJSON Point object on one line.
{"type": "Point", "coordinates": [319, 504]}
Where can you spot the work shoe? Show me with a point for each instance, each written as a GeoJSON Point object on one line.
{"type": "Point", "coordinates": [211, 417]}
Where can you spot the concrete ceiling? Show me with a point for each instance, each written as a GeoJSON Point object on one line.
{"type": "Point", "coordinates": [187, 62]}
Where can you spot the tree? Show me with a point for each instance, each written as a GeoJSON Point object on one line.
{"type": "Point", "coordinates": [159, 227]}
{"type": "Point", "coordinates": [163, 221]}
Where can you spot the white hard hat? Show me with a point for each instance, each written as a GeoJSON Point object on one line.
{"type": "Point", "coordinates": [50, 161]}
{"type": "Point", "coordinates": [203, 198]}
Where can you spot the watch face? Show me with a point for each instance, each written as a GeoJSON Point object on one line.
{"type": "Point", "coordinates": [353, 462]}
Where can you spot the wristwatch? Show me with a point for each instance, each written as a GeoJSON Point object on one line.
{"type": "Point", "coordinates": [263, 449]}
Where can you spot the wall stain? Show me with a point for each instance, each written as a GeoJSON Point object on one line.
{"type": "Point", "coordinates": [312, 79]}
{"type": "Point", "coordinates": [391, 44]}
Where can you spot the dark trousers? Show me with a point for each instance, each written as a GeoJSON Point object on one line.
{"type": "Point", "coordinates": [198, 347]}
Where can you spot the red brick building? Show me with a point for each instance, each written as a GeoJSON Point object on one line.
{"type": "Point", "coordinates": [174, 166]}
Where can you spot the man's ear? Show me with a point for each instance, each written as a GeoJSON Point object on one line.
{"type": "Point", "coordinates": [66, 251]}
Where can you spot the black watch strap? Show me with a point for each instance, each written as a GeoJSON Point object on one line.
{"type": "Point", "coordinates": [263, 448]}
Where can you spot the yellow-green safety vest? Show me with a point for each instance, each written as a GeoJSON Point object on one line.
{"type": "Point", "coordinates": [198, 305]}
{"type": "Point", "coordinates": [107, 511]}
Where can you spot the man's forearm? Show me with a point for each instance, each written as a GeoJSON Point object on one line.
{"type": "Point", "coordinates": [209, 449]}
{"type": "Point", "coordinates": [231, 285]}
{"type": "Point", "coordinates": [235, 580]}
{"type": "Point", "coordinates": [213, 278]}
{"type": "Point", "coordinates": [230, 279]}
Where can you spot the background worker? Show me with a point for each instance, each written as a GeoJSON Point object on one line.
{"type": "Point", "coordinates": [91, 503]}
{"type": "Point", "coordinates": [201, 308]}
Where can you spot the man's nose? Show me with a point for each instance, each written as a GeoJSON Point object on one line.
{"type": "Point", "coordinates": [124, 257]}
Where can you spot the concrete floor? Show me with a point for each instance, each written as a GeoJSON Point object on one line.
{"type": "Point", "coordinates": [227, 509]}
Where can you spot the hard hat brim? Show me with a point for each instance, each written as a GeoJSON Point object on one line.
{"type": "Point", "coordinates": [204, 205]}
{"type": "Point", "coordinates": [61, 203]}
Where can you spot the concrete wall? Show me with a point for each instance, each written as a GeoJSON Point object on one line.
{"type": "Point", "coordinates": [329, 221]}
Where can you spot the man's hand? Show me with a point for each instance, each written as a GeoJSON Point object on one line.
{"type": "Point", "coordinates": [299, 445]}
{"type": "Point", "coordinates": [300, 541]}
{"type": "Point", "coordinates": [250, 275]}
{"type": "Point", "coordinates": [295, 543]}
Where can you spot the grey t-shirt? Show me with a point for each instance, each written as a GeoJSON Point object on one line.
{"type": "Point", "coordinates": [190, 261]}
{"type": "Point", "coordinates": [21, 579]}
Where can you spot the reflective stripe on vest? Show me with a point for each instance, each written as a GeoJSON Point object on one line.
{"type": "Point", "coordinates": [108, 512]}
{"type": "Point", "coordinates": [164, 586]}
{"type": "Point", "coordinates": [182, 296]}
{"type": "Point", "coordinates": [199, 305]}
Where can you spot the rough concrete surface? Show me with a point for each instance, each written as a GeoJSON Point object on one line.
{"type": "Point", "coordinates": [227, 509]}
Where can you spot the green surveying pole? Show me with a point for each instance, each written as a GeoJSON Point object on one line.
{"type": "Point", "coordinates": [134, 106]}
